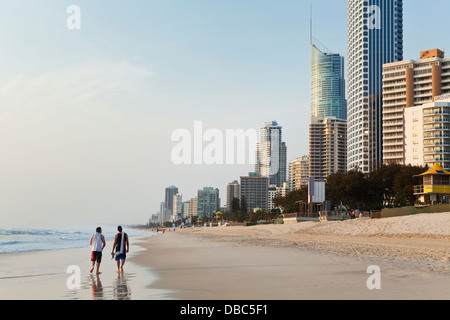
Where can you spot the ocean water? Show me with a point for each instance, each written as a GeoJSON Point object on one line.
{"type": "Point", "coordinates": [27, 240]}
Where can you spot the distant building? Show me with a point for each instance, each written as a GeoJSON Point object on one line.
{"type": "Point", "coordinates": [186, 209]}
{"type": "Point", "coordinates": [193, 207]}
{"type": "Point", "coordinates": [327, 83]}
{"type": "Point", "coordinates": [298, 173]}
{"type": "Point", "coordinates": [162, 213]}
{"type": "Point", "coordinates": [284, 190]}
{"type": "Point", "coordinates": [327, 146]}
{"type": "Point", "coordinates": [271, 154]}
{"type": "Point", "coordinates": [233, 191]}
{"type": "Point", "coordinates": [271, 194]}
{"type": "Point", "coordinates": [255, 188]}
{"type": "Point", "coordinates": [208, 202]}
{"type": "Point", "coordinates": [177, 206]}
{"type": "Point", "coordinates": [168, 203]}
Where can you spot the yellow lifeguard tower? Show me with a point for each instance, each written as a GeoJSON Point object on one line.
{"type": "Point", "coordinates": [436, 184]}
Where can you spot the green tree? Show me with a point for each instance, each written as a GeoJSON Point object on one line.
{"type": "Point", "coordinates": [290, 203]}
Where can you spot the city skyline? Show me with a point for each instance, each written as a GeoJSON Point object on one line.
{"type": "Point", "coordinates": [87, 114]}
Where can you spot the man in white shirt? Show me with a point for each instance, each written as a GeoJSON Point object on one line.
{"type": "Point", "coordinates": [97, 244]}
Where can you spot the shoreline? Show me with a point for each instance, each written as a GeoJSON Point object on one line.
{"type": "Point", "coordinates": [279, 262]}
{"type": "Point", "coordinates": [43, 275]}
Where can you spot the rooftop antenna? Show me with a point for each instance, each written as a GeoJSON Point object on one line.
{"type": "Point", "coordinates": [310, 25]}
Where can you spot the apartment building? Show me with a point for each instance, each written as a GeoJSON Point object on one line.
{"type": "Point", "coordinates": [408, 84]}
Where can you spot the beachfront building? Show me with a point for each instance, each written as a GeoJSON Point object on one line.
{"type": "Point", "coordinates": [375, 37]}
{"type": "Point", "coordinates": [254, 189]}
{"type": "Point", "coordinates": [427, 133]}
{"type": "Point", "coordinates": [436, 185]}
{"type": "Point", "coordinates": [233, 192]}
{"type": "Point", "coordinates": [208, 202]}
{"type": "Point", "coordinates": [411, 84]}
{"type": "Point", "coordinates": [327, 146]}
{"type": "Point", "coordinates": [271, 154]}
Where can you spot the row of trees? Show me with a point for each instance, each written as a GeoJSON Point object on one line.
{"type": "Point", "coordinates": [388, 186]}
{"type": "Point", "coordinates": [240, 213]}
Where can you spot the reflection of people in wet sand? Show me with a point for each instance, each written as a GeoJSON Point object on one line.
{"type": "Point", "coordinates": [121, 290]}
{"type": "Point", "coordinates": [121, 246]}
{"type": "Point", "coordinates": [97, 243]}
{"type": "Point", "coordinates": [97, 288]}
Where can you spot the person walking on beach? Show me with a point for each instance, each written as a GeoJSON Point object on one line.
{"type": "Point", "coordinates": [121, 246]}
{"type": "Point", "coordinates": [97, 243]}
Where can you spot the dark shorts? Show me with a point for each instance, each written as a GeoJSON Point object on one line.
{"type": "Point", "coordinates": [96, 256]}
{"type": "Point", "coordinates": [120, 256]}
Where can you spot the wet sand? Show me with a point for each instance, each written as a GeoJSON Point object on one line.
{"type": "Point", "coordinates": [326, 261]}
{"type": "Point", "coordinates": [43, 275]}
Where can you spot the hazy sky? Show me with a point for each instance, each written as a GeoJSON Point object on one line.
{"type": "Point", "coordinates": [86, 116]}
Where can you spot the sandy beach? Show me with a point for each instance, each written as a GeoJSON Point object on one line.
{"type": "Point", "coordinates": [308, 260]}
{"type": "Point", "coordinates": [302, 261]}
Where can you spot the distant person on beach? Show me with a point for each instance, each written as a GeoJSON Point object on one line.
{"type": "Point", "coordinates": [121, 247]}
{"type": "Point", "coordinates": [97, 243]}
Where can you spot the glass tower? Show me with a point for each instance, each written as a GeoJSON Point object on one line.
{"type": "Point", "coordinates": [327, 83]}
{"type": "Point", "coordinates": [375, 37]}
{"type": "Point", "coordinates": [271, 154]}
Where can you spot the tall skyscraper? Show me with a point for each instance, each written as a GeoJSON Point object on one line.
{"type": "Point", "coordinates": [233, 191]}
{"type": "Point", "coordinates": [327, 83]}
{"type": "Point", "coordinates": [170, 192]}
{"type": "Point", "coordinates": [375, 37]}
{"type": "Point", "coordinates": [271, 154]}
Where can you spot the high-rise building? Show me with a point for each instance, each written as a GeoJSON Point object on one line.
{"type": "Point", "coordinates": [271, 154]}
{"type": "Point", "coordinates": [409, 84]}
{"type": "Point", "coordinates": [327, 83]}
{"type": "Point", "coordinates": [208, 202]}
{"type": "Point", "coordinates": [375, 37]}
{"type": "Point", "coordinates": [170, 192]}
{"type": "Point", "coordinates": [271, 194]}
{"type": "Point", "coordinates": [177, 206]}
{"type": "Point", "coordinates": [427, 133]}
{"type": "Point", "coordinates": [162, 213]}
{"type": "Point", "coordinates": [233, 191]}
{"type": "Point", "coordinates": [327, 146]}
{"type": "Point", "coordinates": [186, 209]}
{"type": "Point", "coordinates": [254, 189]}
{"type": "Point", "coordinates": [298, 173]}
{"type": "Point", "coordinates": [193, 207]}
